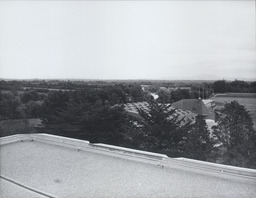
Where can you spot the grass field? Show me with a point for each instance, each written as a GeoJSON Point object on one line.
{"type": "Point", "coordinates": [248, 100]}
{"type": "Point", "coordinates": [237, 95]}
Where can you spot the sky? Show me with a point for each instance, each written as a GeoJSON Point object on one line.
{"type": "Point", "coordinates": [204, 40]}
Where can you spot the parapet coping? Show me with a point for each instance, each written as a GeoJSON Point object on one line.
{"type": "Point", "coordinates": [161, 159]}
{"type": "Point", "coordinates": [130, 151]}
{"type": "Point", "coordinates": [222, 168]}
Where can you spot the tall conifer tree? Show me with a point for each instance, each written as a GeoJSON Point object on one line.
{"type": "Point", "coordinates": [236, 135]}
{"type": "Point", "coordinates": [199, 144]}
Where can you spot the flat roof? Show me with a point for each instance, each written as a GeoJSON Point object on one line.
{"type": "Point", "coordinates": [42, 165]}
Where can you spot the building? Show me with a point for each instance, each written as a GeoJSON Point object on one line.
{"type": "Point", "coordinates": [181, 88]}
{"type": "Point", "coordinates": [185, 116]}
{"type": "Point", "coordinates": [196, 106]}
{"type": "Point", "coordinates": [42, 165]}
{"type": "Point", "coordinates": [199, 107]}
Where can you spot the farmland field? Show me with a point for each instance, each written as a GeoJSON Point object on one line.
{"type": "Point", "coordinates": [248, 100]}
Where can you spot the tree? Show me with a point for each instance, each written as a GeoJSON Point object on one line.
{"type": "Point", "coordinates": [220, 86]}
{"type": "Point", "coordinates": [199, 144]}
{"type": "Point", "coordinates": [10, 106]}
{"type": "Point", "coordinates": [30, 96]}
{"type": "Point", "coordinates": [106, 124]}
{"type": "Point", "coordinates": [135, 93]}
{"type": "Point", "coordinates": [236, 135]}
{"type": "Point", "coordinates": [239, 86]}
{"type": "Point", "coordinates": [164, 96]}
{"type": "Point", "coordinates": [33, 109]}
{"type": "Point", "coordinates": [252, 87]}
{"type": "Point", "coordinates": [161, 129]}
{"type": "Point", "coordinates": [54, 103]}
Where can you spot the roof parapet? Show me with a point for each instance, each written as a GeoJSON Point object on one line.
{"type": "Point", "coordinates": [161, 159]}
{"type": "Point", "coordinates": [130, 151]}
{"type": "Point", "coordinates": [227, 169]}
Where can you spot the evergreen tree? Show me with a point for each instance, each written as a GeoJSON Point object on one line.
{"type": "Point", "coordinates": [164, 96]}
{"type": "Point", "coordinates": [10, 106]}
{"type": "Point", "coordinates": [199, 144]}
{"type": "Point", "coordinates": [220, 86]}
{"type": "Point", "coordinates": [236, 135]}
{"type": "Point", "coordinates": [161, 129]}
{"type": "Point", "coordinates": [54, 104]}
{"type": "Point", "coordinates": [106, 124]}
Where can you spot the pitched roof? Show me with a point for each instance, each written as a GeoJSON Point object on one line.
{"type": "Point", "coordinates": [194, 105]}
{"type": "Point", "coordinates": [186, 116]}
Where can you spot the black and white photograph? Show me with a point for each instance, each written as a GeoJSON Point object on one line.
{"type": "Point", "coordinates": [127, 98]}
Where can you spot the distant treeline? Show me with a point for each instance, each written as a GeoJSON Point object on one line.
{"type": "Point", "coordinates": [32, 103]}
{"type": "Point", "coordinates": [236, 86]}
{"type": "Point", "coordinates": [19, 85]}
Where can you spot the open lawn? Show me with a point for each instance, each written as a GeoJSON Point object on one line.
{"type": "Point", "coordinates": [248, 100]}
{"type": "Point", "coordinates": [237, 95]}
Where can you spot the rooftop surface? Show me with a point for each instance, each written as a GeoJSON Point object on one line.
{"type": "Point", "coordinates": [41, 165]}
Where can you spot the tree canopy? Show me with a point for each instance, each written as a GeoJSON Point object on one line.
{"type": "Point", "coordinates": [161, 128]}
{"type": "Point", "coordinates": [236, 135]}
{"type": "Point", "coordinates": [199, 144]}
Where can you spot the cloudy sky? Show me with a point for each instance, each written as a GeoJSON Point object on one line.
{"type": "Point", "coordinates": [127, 39]}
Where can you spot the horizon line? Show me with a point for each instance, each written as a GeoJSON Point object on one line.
{"type": "Point", "coordinates": [129, 79]}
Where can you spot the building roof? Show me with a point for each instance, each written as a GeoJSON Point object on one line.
{"type": "Point", "coordinates": [41, 165]}
{"type": "Point", "coordinates": [207, 102]}
{"type": "Point", "coordinates": [194, 105]}
{"type": "Point", "coordinates": [185, 116]}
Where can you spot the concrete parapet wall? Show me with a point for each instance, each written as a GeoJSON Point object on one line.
{"type": "Point", "coordinates": [130, 151]}
{"type": "Point", "coordinates": [133, 154]}
{"type": "Point", "coordinates": [246, 172]}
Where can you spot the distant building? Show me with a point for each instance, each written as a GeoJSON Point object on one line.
{"type": "Point", "coordinates": [208, 103]}
{"type": "Point", "coordinates": [163, 89]}
{"type": "Point", "coordinates": [145, 87]}
{"type": "Point", "coordinates": [176, 88]}
{"type": "Point", "coordinates": [186, 109]}
{"type": "Point", "coordinates": [154, 95]}
{"type": "Point", "coordinates": [196, 106]}
{"type": "Point", "coordinates": [199, 107]}
{"type": "Point", "coordinates": [185, 116]}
